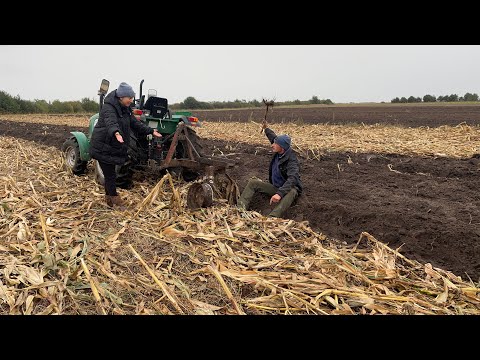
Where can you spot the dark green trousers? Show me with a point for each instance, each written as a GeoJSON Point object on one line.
{"type": "Point", "coordinates": [255, 185]}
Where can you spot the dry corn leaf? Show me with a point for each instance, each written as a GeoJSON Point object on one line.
{"type": "Point", "coordinates": [262, 265]}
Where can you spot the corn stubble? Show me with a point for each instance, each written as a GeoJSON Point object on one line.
{"type": "Point", "coordinates": [311, 141]}
{"type": "Point", "coordinates": [62, 251]}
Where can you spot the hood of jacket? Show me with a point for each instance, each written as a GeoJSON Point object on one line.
{"type": "Point", "coordinates": [113, 100]}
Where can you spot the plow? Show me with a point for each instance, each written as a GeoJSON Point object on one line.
{"type": "Point", "coordinates": [178, 151]}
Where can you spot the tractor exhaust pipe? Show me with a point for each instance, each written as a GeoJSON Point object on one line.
{"type": "Point", "coordinates": [140, 96]}
{"type": "Point", "coordinates": [102, 92]}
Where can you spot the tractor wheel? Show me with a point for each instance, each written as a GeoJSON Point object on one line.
{"type": "Point", "coordinates": [125, 171]}
{"type": "Point", "coordinates": [181, 153]}
{"type": "Point", "coordinates": [124, 175]}
{"type": "Point", "coordinates": [135, 155]}
{"type": "Point", "coordinates": [195, 139]}
{"type": "Point", "coordinates": [99, 177]}
{"type": "Point", "coordinates": [137, 150]}
{"type": "Point", "coordinates": [71, 153]}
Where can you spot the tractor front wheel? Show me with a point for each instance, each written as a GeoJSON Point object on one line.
{"type": "Point", "coordinates": [71, 153]}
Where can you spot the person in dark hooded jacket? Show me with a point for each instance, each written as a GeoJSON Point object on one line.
{"type": "Point", "coordinates": [111, 137]}
{"type": "Point", "coordinates": [284, 177]}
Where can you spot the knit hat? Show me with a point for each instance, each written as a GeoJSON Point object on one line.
{"type": "Point", "coordinates": [284, 141]}
{"type": "Point", "coordinates": [125, 90]}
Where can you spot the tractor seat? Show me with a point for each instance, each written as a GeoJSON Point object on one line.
{"type": "Point", "coordinates": [157, 106]}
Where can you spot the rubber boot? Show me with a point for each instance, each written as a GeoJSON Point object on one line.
{"type": "Point", "coordinates": [118, 202]}
{"type": "Point", "coordinates": [109, 201]}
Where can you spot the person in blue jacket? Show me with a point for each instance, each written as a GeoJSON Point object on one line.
{"type": "Point", "coordinates": [284, 184]}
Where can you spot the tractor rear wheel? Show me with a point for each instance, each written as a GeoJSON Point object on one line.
{"type": "Point", "coordinates": [124, 175]}
{"type": "Point", "coordinates": [182, 153]}
{"type": "Point", "coordinates": [135, 156]}
{"type": "Point", "coordinates": [125, 171]}
{"type": "Point", "coordinates": [71, 153]}
{"type": "Point", "coordinates": [195, 139]}
{"type": "Point", "coordinates": [99, 177]}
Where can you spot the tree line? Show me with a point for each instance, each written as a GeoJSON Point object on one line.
{"type": "Point", "coordinates": [192, 103]}
{"type": "Point", "coordinates": [16, 105]}
{"type": "Point", "coordinates": [433, 98]}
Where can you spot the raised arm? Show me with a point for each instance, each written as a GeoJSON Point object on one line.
{"type": "Point", "coordinates": [270, 135]}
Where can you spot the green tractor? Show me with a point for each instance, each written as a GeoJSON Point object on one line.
{"type": "Point", "coordinates": [179, 150]}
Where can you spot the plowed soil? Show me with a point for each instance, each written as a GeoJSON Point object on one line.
{"type": "Point", "coordinates": [405, 115]}
{"type": "Point", "coordinates": [428, 206]}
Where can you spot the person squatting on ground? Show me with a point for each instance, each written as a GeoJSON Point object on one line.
{"type": "Point", "coordinates": [284, 176]}
{"type": "Point", "coordinates": [111, 137]}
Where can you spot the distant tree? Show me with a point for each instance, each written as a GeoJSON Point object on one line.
{"type": "Point", "coordinates": [255, 103]}
{"type": "Point", "coordinates": [8, 104]}
{"type": "Point", "coordinates": [453, 98]}
{"type": "Point", "coordinates": [429, 98]}
{"type": "Point", "coordinates": [191, 103]}
{"type": "Point", "coordinates": [26, 106]}
{"type": "Point", "coordinates": [41, 106]}
{"type": "Point", "coordinates": [59, 107]}
{"type": "Point", "coordinates": [395, 100]}
{"type": "Point", "coordinates": [403, 99]}
{"type": "Point", "coordinates": [412, 99]}
{"type": "Point", "coordinates": [206, 105]}
{"type": "Point", "coordinates": [470, 97]}
{"type": "Point", "coordinates": [76, 106]}
{"type": "Point", "coordinates": [237, 103]}
{"type": "Point", "coordinates": [441, 98]}
{"type": "Point", "coordinates": [89, 105]}
{"type": "Point", "coordinates": [56, 107]}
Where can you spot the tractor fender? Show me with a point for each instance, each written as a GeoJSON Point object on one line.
{"type": "Point", "coordinates": [92, 122]}
{"type": "Point", "coordinates": [180, 118]}
{"type": "Point", "coordinates": [83, 144]}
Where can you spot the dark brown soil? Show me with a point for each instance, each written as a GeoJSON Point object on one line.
{"type": "Point", "coordinates": [432, 207]}
{"type": "Point", "coordinates": [406, 115]}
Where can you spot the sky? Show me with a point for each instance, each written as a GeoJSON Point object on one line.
{"type": "Point", "coordinates": [342, 73]}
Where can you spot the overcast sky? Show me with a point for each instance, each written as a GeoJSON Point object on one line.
{"type": "Point", "coordinates": [342, 73]}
